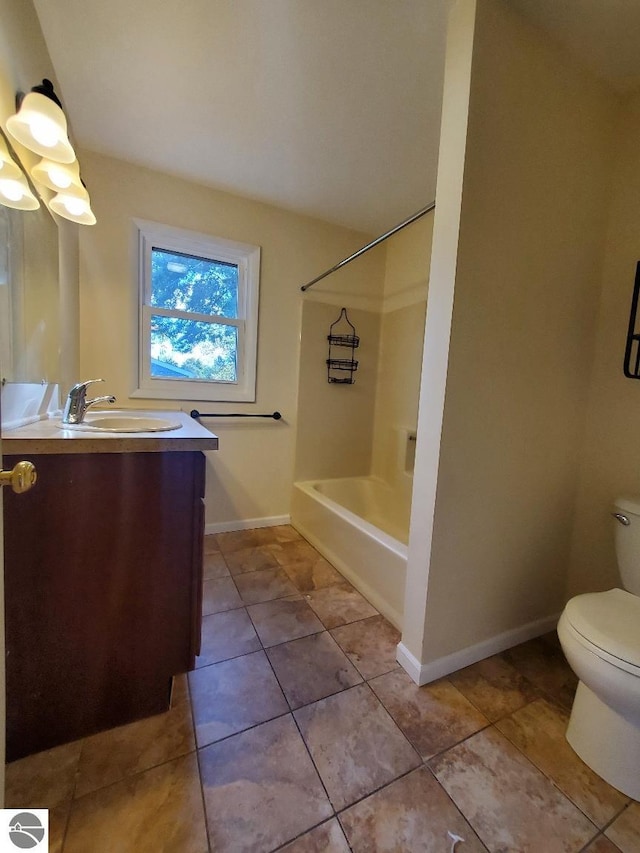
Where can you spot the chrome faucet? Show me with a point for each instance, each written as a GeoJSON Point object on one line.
{"type": "Point", "coordinates": [77, 404]}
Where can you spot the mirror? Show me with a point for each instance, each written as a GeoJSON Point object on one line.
{"type": "Point", "coordinates": [29, 296]}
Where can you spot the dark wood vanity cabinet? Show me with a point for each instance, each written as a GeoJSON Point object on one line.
{"type": "Point", "coordinates": [103, 591]}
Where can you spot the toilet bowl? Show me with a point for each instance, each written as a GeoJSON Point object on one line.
{"type": "Point", "coordinates": [600, 636]}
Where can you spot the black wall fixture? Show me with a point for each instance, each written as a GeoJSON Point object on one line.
{"type": "Point", "coordinates": [343, 341]}
{"type": "Point", "coordinates": [632, 349]}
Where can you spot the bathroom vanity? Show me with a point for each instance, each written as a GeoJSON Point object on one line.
{"type": "Point", "coordinates": [103, 578]}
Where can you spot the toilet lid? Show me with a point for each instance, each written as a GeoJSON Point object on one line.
{"type": "Point", "coordinates": [609, 620]}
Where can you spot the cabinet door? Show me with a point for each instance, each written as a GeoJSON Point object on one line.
{"type": "Point", "coordinates": [99, 574]}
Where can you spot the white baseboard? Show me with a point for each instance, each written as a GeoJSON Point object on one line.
{"type": "Point", "coordinates": [245, 524]}
{"type": "Point", "coordinates": [423, 673]}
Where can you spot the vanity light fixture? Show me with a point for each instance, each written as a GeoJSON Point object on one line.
{"type": "Point", "coordinates": [14, 189]}
{"type": "Point", "coordinates": [40, 124]}
{"type": "Point", "coordinates": [73, 203]}
{"type": "Point", "coordinates": [57, 176]}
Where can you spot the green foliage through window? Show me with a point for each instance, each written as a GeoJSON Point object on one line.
{"type": "Point", "coordinates": [193, 348]}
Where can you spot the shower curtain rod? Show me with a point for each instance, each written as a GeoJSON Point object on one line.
{"type": "Point", "coordinates": [370, 245]}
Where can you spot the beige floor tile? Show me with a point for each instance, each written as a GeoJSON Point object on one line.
{"type": "Point", "coordinates": [494, 686]}
{"type": "Point", "coordinates": [214, 566]}
{"type": "Point", "coordinates": [234, 695]}
{"type": "Point", "coordinates": [44, 780]}
{"type": "Point", "coordinates": [283, 620]}
{"type": "Point", "coordinates": [261, 789]}
{"type": "Point", "coordinates": [625, 830]}
{"type": "Point", "coordinates": [308, 575]}
{"type": "Point", "coordinates": [542, 663]}
{"type": "Point", "coordinates": [236, 540]}
{"type": "Point", "coordinates": [433, 717]}
{"type": "Point", "coordinates": [250, 560]}
{"type": "Point", "coordinates": [286, 533]}
{"type": "Point", "coordinates": [370, 644]}
{"type": "Point", "coordinates": [226, 635]}
{"type": "Point", "coordinates": [159, 810]}
{"type": "Point", "coordinates": [326, 838]}
{"type": "Point", "coordinates": [339, 604]}
{"type": "Point", "coordinates": [411, 814]}
{"type": "Point", "coordinates": [539, 731]}
{"type": "Point", "coordinates": [58, 820]}
{"type": "Point", "coordinates": [509, 802]}
{"type": "Point", "coordinates": [265, 585]}
{"type": "Point", "coordinates": [210, 544]}
{"type": "Point", "coordinates": [265, 535]}
{"type": "Point", "coordinates": [294, 551]}
{"type": "Point", "coordinates": [355, 744]}
{"type": "Point", "coordinates": [602, 845]}
{"type": "Point", "coordinates": [312, 668]}
{"type": "Point", "coordinates": [219, 595]}
{"type": "Point", "coordinates": [124, 751]}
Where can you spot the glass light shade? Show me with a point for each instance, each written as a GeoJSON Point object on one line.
{"type": "Point", "coordinates": [40, 125]}
{"type": "Point", "coordinates": [57, 176]}
{"type": "Point", "coordinates": [9, 169]}
{"type": "Point", "coordinates": [15, 192]}
{"type": "Point", "coordinates": [73, 204]}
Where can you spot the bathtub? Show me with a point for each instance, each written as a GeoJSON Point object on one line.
{"type": "Point", "coordinates": [361, 526]}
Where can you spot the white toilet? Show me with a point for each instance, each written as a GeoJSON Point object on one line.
{"type": "Point", "coordinates": [600, 636]}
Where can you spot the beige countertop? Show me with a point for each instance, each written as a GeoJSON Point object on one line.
{"type": "Point", "coordinates": [48, 436]}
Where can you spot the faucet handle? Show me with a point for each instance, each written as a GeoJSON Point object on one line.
{"type": "Point", "coordinates": [82, 386]}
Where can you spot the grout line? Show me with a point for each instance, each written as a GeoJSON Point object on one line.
{"type": "Point", "coordinates": [129, 776]}
{"type": "Point", "coordinates": [437, 755]}
{"type": "Point", "coordinates": [335, 813]}
{"type": "Point", "coordinates": [73, 797]}
{"type": "Point", "coordinates": [295, 722]}
{"type": "Point", "coordinates": [617, 815]}
{"type": "Point", "coordinates": [195, 743]}
{"type": "Point", "coordinates": [311, 828]}
{"type": "Point", "coordinates": [457, 808]}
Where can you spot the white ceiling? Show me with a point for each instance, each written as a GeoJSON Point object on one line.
{"type": "Point", "coordinates": [326, 107]}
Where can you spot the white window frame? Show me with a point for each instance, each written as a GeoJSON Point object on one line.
{"type": "Point", "coordinates": [247, 258]}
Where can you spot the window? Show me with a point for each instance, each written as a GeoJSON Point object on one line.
{"type": "Point", "coordinates": [198, 316]}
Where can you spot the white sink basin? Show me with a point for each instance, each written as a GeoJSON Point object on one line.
{"type": "Point", "coordinates": [124, 423]}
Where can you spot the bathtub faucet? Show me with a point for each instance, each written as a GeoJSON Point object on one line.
{"type": "Point", "coordinates": [77, 404]}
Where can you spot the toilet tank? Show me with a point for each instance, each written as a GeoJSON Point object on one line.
{"type": "Point", "coordinates": [627, 536]}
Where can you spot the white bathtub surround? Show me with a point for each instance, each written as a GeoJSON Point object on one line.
{"type": "Point", "coordinates": [357, 523]}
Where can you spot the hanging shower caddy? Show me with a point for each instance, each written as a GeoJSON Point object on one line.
{"type": "Point", "coordinates": [341, 364]}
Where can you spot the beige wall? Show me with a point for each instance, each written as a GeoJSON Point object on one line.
{"type": "Point", "coordinates": [532, 223]}
{"type": "Point", "coordinates": [250, 477]}
{"type": "Point", "coordinates": [408, 255]}
{"type": "Point", "coordinates": [611, 454]}
{"type": "Point", "coordinates": [24, 58]}
{"type": "Point", "coordinates": [24, 61]}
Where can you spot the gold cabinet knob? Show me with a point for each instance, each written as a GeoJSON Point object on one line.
{"type": "Point", "coordinates": [21, 478]}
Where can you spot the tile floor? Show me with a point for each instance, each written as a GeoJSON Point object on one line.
{"type": "Point", "coordinates": [297, 731]}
